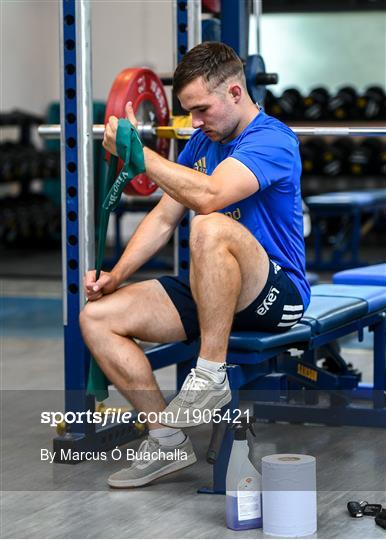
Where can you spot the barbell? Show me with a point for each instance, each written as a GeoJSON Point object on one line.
{"type": "Point", "coordinates": [145, 90]}
{"type": "Point", "coordinates": [174, 131]}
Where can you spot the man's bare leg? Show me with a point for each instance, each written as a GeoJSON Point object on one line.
{"type": "Point", "coordinates": [229, 268]}
{"type": "Point", "coordinates": [142, 310]}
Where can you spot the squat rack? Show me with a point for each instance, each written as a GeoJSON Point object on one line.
{"type": "Point", "coordinates": [78, 228]}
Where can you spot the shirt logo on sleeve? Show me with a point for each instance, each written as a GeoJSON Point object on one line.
{"type": "Point", "coordinates": [200, 165]}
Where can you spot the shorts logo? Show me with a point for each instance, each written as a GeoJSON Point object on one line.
{"type": "Point", "coordinates": [268, 301]}
{"type": "Point", "coordinates": [291, 315]}
{"type": "Point", "coordinates": [276, 267]}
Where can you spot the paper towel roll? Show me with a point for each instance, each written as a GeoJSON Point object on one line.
{"type": "Point", "coordinates": [289, 495]}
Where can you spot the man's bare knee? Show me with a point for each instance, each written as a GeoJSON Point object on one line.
{"type": "Point", "coordinates": [90, 316]}
{"type": "Point", "coordinates": [206, 230]}
{"type": "Point", "coordinates": [92, 312]}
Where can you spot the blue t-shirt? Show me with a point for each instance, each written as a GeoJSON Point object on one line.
{"type": "Point", "coordinates": [274, 213]}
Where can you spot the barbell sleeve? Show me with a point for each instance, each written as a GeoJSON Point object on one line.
{"type": "Point", "coordinates": [266, 79]}
{"type": "Point", "coordinates": [52, 131]}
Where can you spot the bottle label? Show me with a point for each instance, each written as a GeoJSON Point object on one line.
{"type": "Point", "coordinates": [248, 499]}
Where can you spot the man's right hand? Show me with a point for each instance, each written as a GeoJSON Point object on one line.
{"type": "Point", "coordinates": [106, 284]}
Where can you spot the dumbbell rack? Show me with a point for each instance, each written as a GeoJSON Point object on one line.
{"type": "Point", "coordinates": [345, 242]}
{"type": "Point", "coordinates": [28, 219]}
{"type": "Point", "coordinates": [317, 183]}
{"type": "Point", "coordinates": [24, 122]}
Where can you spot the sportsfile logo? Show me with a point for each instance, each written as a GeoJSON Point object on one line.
{"type": "Point", "coordinates": [268, 301]}
{"type": "Point", "coordinates": [200, 165]}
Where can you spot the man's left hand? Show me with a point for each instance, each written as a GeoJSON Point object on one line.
{"type": "Point", "coordinates": [110, 135]}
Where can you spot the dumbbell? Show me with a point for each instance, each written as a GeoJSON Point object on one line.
{"type": "Point", "coordinates": [29, 221]}
{"type": "Point", "coordinates": [46, 220]}
{"type": "Point", "coordinates": [270, 104]}
{"type": "Point", "coordinates": [290, 104]}
{"type": "Point", "coordinates": [311, 153]}
{"type": "Point", "coordinates": [7, 161]}
{"type": "Point", "coordinates": [7, 220]}
{"type": "Point", "coordinates": [26, 163]}
{"type": "Point", "coordinates": [336, 155]}
{"type": "Point", "coordinates": [18, 162]}
{"type": "Point", "coordinates": [343, 105]}
{"type": "Point", "coordinates": [372, 104]}
{"type": "Point", "coordinates": [49, 164]}
{"type": "Point", "coordinates": [366, 158]}
{"type": "Point", "coordinates": [315, 104]}
{"type": "Point", "coordinates": [382, 159]}
{"type": "Point", "coordinates": [10, 216]}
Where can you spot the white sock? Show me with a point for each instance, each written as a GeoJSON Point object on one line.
{"type": "Point", "coordinates": [167, 436]}
{"type": "Point", "coordinates": [216, 369]}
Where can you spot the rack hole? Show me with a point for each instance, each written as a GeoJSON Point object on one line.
{"type": "Point", "coordinates": [70, 93]}
{"type": "Point", "coordinates": [69, 19]}
{"type": "Point", "coordinates": [72, 240]}
{"type": "Point", "coordinates": [69, 44]}
{"type": "Point", "coordinates": [70, 69]}
{"type": "Point", "coordinates": [71, 142]}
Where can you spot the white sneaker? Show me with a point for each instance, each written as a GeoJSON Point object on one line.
{"type": "Point", "coordinates": [153, 461]}
{"type": "Point", "coordinates": [198, 393]}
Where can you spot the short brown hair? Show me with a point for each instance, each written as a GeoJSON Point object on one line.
{"type": "Point", "coordinates": [215, 62]}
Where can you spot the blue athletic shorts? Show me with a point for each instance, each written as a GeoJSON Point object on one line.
{"type": "Point", "coordinates": [277, 308]}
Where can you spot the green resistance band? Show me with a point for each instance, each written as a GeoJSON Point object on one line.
{"type": "Point", "coordinates": [129, 148]}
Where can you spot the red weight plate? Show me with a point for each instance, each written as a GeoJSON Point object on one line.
{"type": "Point", "coordinates": [145, 90]}
{"type": "Point", "coordinates": [211, 6]}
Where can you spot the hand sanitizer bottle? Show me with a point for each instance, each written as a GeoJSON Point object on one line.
{"type": "Point", "coordinates": [243, 483]}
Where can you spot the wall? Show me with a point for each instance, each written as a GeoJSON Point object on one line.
{"type": "Point", "coordinates": [305, 49]}
{"type": "Point", "coordinates": [325, 49]}
{"type": "Point", "coordinates": [124, 33]}
{"type": "Point", "coordinates": [134, 33]}
{"type": "Point", "coordinates": [29, 54]}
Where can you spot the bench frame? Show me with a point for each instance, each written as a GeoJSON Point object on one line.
{"type": "Point", "coordinates": [345, 250]}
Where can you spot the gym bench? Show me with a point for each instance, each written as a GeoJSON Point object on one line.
{"type": "Point", "coordinates": [365, 275]}
{"type": "Point", "coordinates": [262, 364]}
{"type": "Point", "coordinates": [358, 211]}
